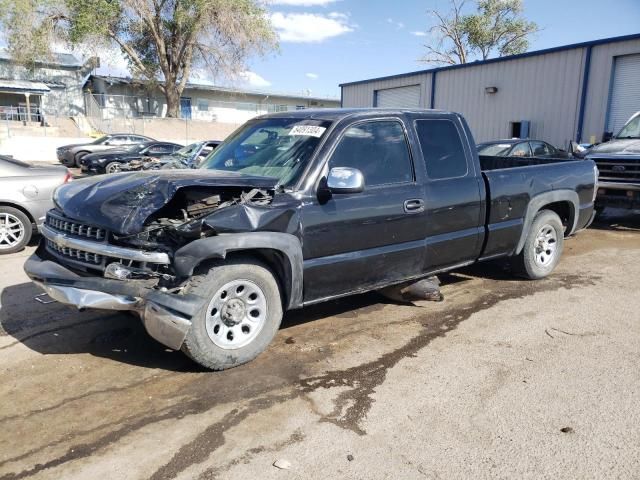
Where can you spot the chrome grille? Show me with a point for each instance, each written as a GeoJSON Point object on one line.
{"type": "Point", "coordinates": [75, 254]}
{"type": "Point", "coordinates": [62, 224]}
{"type": "Point", "coordinates": [618, 169]}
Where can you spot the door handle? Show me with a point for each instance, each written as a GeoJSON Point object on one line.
{"type": "Point", "coordinates": [415, 205]}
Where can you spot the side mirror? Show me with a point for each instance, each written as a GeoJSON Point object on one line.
{"type": "Point", "coordinates": [576, 149]}
{"type": "Point", "coordinates": [345, 180]}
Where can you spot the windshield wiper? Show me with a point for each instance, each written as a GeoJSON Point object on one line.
{"type": "Point", "coordinates": [628, 137]}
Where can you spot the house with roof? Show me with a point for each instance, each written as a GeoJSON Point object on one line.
{"type": "Point", "coordinates": [50, 87]}
{"type": "Point", "coordinates": [64, 86]}
{"type": "Point", "coordinates": [126, 97]}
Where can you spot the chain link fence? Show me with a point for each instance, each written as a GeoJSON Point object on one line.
{"type": "Point", "coordinates": [20, 121]}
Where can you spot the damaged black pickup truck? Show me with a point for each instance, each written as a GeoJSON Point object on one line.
{"type": "Point", "coordinates": [297, 208]}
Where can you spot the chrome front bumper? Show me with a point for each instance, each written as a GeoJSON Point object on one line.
{"type": "Point", "coordinates": [165, 317]}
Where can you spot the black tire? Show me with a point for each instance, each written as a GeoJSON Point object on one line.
{"type": "Point", "coordinates": [113, 167]}
{"type": "Point", "coordinates": [208, 282]}
{"type": "Point", "coordinates": [77, 157]}
{"type": "Point", "coordinates": [7, 244]}
{"type": "Point", "coordinates": [538, 260]}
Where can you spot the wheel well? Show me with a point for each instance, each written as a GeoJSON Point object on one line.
{"type": "Point", "coordinates": [564, 210]}
{"type": "Point", "coordinates": [18, 207]}
{"type": "Point", "coordinates": [277, 263]}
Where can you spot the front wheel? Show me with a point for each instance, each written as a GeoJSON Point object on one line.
{"type": "Point", "coordinates": [240, 317]}
{"type": "Point", "coordinates": [15, 230]}
{"type": "Point", "coordinates": [542, 248]}
{"type": "Point", "coordinates": [77, 159]}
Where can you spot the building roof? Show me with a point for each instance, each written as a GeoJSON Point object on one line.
{"type": "Point", "coordinates": [588, 44]}
{"type": "Point", "coordinates": [215, 88]}
{"type": "Point", "coordinates": [66, 60]}
{"type": "Point", "coordinates": [22, 86]}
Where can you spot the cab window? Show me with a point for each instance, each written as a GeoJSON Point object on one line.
{"type": "Point", "coordinates": [442, 149]}
{"type": "Point", "coordinates": [378, 149]}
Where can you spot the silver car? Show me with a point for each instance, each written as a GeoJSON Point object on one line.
{"type": "Point", "coordinates": [26, 194]}
{"type": "Point", "coordinates": [70, 155]}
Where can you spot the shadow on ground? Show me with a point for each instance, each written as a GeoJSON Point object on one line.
{"type": "Point", "coordinates": [618, 220]}
{"type": "Point", "coordinates": [56, 329]}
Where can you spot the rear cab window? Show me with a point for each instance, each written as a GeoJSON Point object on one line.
{"type": "Point", "coordinates": [442, 148]}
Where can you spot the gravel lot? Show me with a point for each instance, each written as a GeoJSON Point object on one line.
{"type": "Point", "coordinates": [504, 379]}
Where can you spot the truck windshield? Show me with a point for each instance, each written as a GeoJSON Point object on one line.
{"type": "Point", "coordinates": [631, 129]}
{"type": "Point", "coordinates": [270, 147]}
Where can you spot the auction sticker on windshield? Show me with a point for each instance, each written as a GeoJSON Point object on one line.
{"type": "Point", "coordinates": [307, 130]}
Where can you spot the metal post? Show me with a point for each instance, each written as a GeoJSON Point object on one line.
{"type": "Point", "coordinates": [26, 96]}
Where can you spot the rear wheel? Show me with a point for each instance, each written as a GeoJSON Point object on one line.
{"type": "Point", "coordinates": [542, 248]}
{"type": "Point", "coordinates": [15, 230]}
{"type": "Point", "coordinates": [240, 317]}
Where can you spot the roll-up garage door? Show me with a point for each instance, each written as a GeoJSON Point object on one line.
{"type": "Point", "coordinates": [625, 96]}
{"type": "Point", "coordinates": [400, 97]}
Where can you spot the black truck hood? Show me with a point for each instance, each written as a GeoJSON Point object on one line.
{"type": "Point", "coordinates": [123, 202]}
{"type": "Point", "coordinates": [617, 147]}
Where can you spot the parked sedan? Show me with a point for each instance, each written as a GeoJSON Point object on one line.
{"type": "Point", "coordinates": [190, 156]}
{"type": "Point", "coordinates": [114, 160]}
{"type": "Point", "coordinates": [70, 155]}
{"type": "Point", "coordinates": [517, 147]}
{"type": "Point", "coordinates": [26, 193]}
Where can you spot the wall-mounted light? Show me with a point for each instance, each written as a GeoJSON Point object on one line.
{"type": "Point", "coordinates": [490, 89]}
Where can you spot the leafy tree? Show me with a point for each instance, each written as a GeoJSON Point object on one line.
{"type": "Point", "coordinates": [163, 40]}
{"type": "Point", "coordinates": [497, 27]}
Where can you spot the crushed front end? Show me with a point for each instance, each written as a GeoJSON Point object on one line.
{"type": "Point", "coordinates": [132, 267]}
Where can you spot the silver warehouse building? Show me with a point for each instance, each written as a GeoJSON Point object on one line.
{"type": "Point", "coordinates": [574, 92]}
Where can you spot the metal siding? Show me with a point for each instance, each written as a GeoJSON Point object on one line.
{"type": "Point", "coordinates": [625, 100]}
{"type": "Point", "coordinates": [361, 95]}
{"type": "Point", "coordinates": [543, 89]}
{"type": "Point", "coordinates": [600, 78]}
{"type": "Point", "coordinates": [399, 97]}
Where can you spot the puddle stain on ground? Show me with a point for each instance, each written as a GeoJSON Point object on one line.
{"type": "Point", "coordinates": [350, 407]}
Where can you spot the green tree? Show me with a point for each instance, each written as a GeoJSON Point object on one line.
{"type": "Point", "coordinates": [163, 40]}
{"type": "Point", "coordinates": [496, 28]}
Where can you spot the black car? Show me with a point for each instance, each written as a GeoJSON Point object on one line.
{"type": "Point", "coordinates": [517, 147]}
{"type": "Point", "coordinates": [112, 161]}
{"type": "Point", "coordinates": [70, 155]}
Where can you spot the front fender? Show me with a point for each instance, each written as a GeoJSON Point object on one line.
{"type": "Point", "coordinates": [188, 257]}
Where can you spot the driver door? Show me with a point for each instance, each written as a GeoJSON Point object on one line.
{"type": "Point", "coordinates": [356, 241]}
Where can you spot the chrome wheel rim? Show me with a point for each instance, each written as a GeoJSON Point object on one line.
{"type": "Point", "coordinates": [113, 168]}
{"type": "Point", "coordinates": [236, 314]}
{"type": "Point", "coordinates": [546, 246]}
{"type": "Point", "coordinates": [12, 231]}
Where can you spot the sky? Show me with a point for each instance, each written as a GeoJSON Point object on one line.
{"type": "Point", "coordinates": [327, 42]}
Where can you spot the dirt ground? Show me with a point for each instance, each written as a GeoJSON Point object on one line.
{"type": "Point", "coordinates": [504, 379]}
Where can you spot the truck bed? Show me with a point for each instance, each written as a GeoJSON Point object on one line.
{"type": "Point", "coordinates": [511, 188]}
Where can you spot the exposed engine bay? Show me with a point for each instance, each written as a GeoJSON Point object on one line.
{"type": "Point", "coordinates": [182, 219]}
